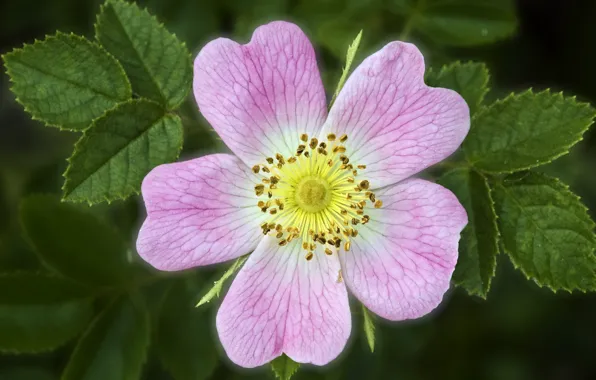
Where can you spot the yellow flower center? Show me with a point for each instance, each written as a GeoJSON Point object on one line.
{"type": "Point", "coordinates": [314, 195]}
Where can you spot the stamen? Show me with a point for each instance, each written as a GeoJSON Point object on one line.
{"type": "Point", "coordinates": [316, 199]}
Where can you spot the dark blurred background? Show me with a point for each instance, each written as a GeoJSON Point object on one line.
{"type": "Point", "coordinates": [520, 332]}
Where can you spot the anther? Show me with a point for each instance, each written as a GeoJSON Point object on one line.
{"type": "Point", "coordinates": [347, 246]}
{"type": "Point", "coordinates": [305, 245]}
{"type": "Point", "coordinates": [304, 137]}
{"type": "Point", "coordinates": [306, 154]}
{"type": "Point", "coordinates": [344, 212]}
{"type": "Point", "coordinates": [350, 179]}
{"type": "Point", "coordinates": [291, 160]}
{"type": "Point", "coordinates": [313, 143]}
{"type": "Point", "coordinates": [354, 233]}
{"type": "Point", "coordinates": [269, 160]}
{"type": "Point", "coordinates": [328, 252]}
{"type": "Point", "coordinates": [279, 235]}
{"type": "Point", "coordinates": [372, 197]}
{"type": "Point", "coordinates": [354, 220]}
{"type": "Point", "coordinates": [256, 169]}
{"type": "Point", "coordinates": [280, 158]}
{"type": "Point", "coordinates": [343, 138]}
{"type": "Point", "coordinates": [362, 167]}
{"type": "Point", "coordinates": [365, 219]}
{"type": "Point", "coordinates": [378, 203]}
{"type": "Point", "coordinates": [331, 137]}
{"type": "Point", "coordinates": [273, 211]}
{"type": "Point", "coordinates": [300, 149]}
{"type": "Point", "coordinates": [270, 194]}
{"type": "Point", "coordinates": [266, 169]}
{"type": "Point", "coordinates": [365, 184]}
{"type": "Point", "coordinates": [309, 256]}
{"type": "Point", "coordinates": [323, 145]}
{"type": "Point", "coordinates": [282, 242]}
{"type": "Point", "coordinates": [274, 179]}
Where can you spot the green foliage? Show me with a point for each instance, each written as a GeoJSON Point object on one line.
{"type": "Point", "coordinates": [217, 286]}
{"type": "Point", "coordinates": [369, 328]}
{"type": "Point", "coordinates": [546, 231]}
{"type": "Point", "coordinates": [95, 255]}
{"type": "Point", "coordinates": [115, 345]}
{"type": "Point", "coordinates": [156, 62]}
{"type": "Point", "coordinates": [66, 80]}
{"type": "Point", "coordinates": [184, 342]}
{"type": "Point", "coordinates": [284, 367]}
{"type": "Point", "coordinates": [526, 130]}
{"type": "Point", "coordinates": [40, 312]}
{"type": "Point", "coordinates": [478, 246]}
{"type": "Point", "coordinates": [119, 149]}
{"type": "Point", "coordinates": [469, 79]}
{"type": "Point", "coordinates": [459, 22]}
{"type": "Point", "coordinates": [352, 49]}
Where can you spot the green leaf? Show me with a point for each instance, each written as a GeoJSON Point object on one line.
{"type": "Point", "coordinates": [352, 49]}
{"type": "Point", "coordinates": [369, 328]}
{"type": "Point", "coordinates": [75, 243]}
{"type": "Point", "coordinates": [40, 312]}
{"type": "Point", "coordinates": [216, 288]}
{"type": "Point", "coordinates": [460, 22]}
{"type": "Point", "coordinates": [114, 155]}
{"type": "Point", "coordinates": [115, 345]}
{"type": "Point", "coordinates": [546, 231]}
{"type": "Point", "coordinates": [526, 130]}
{"type": "Point", "coordinates": [184, 342]}
{"type": "Point", "coordinates": [284, 367]}
{"type": "Point", "coordinates": [157, 63]}
{"type": "Point", "coordinates": [469, 79]}
{"type": "Point", "coordinates": [478, 246]}
{"type": "Point", "coordinates": [66, 80]}
{"type": "Point", "coordinates": [27, 373]}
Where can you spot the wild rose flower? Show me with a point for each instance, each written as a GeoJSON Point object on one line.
{"type": "Point", "coordinates": [325, 201]}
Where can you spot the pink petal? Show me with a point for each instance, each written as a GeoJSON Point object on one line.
{"type": "Point", "coordinates": [261, 96]}
{"type": "Point", "coordinates": [396, 125]}
{"type": "Point", "coordinates": [282, 303]}
{"type": "Point", "coordinates": [401, 262]}
{"type": "Point", "coordinates": [199, 212]}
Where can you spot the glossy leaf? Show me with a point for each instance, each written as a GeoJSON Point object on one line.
{"type": "Point", "coordinates": [469, 79]}
{"type": "Point", "coordinates": [546, 231]}
{"type": "Point", "coordinates": [66, 80]}
{"type": "Point", "coordinates": [114, 155]}
{"type": "Point", "coordinates": [526, 130]}
{"type": "Point", "coordinates": [157, 63]}
{"type": "Point", "coordinates": [478, 246]}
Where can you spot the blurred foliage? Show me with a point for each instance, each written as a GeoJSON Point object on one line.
{"type": "Point", "coordinates": [520, 332]}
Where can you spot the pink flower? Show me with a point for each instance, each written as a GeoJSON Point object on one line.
{"type": "Point", "coordinates": [325, 201]}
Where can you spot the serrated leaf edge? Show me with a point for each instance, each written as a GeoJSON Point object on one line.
{"type": "Point", "coordinates": [162, 27]}
{"type": "Point", "coordinates": [458, 63]}
{"type": "Point", "coordinates": [47, 37]}
{"type": "Point", "coordinates": [530, 90]}
{"type": "Point", "coordinates": [118, 195]}
{"type": "Point", "coordinates": [564, 187]}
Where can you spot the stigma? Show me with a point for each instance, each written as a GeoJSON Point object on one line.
{"type": "Point", "coordinates": [316, 195]}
